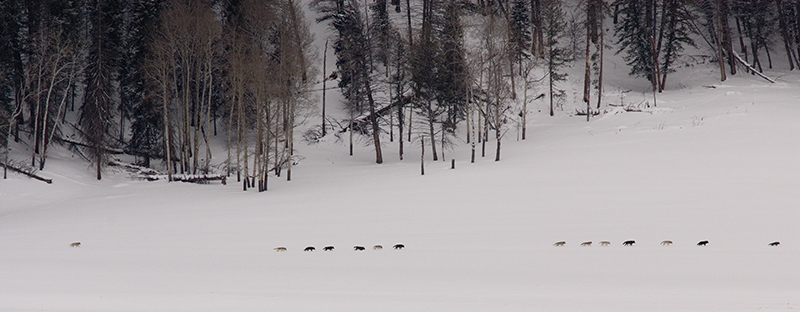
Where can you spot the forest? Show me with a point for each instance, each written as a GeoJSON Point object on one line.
{"type": "Point", "coordinates": [160, 79]}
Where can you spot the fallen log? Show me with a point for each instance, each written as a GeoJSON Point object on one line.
{"type": "Point", "coordinates": [583, 112]}
{"type": "Point", "coordinates": [25, 172]}
{"type": "Point", "coordinates": [201, 179]}
{"type": "Point", "coordinates": [145, 173]}
{"type": "Point", "coordinates": [752, 70]}
{"type": "Point", "coordinates": [109, 150]}
{"type": "Point", "coordinates": [359, 123]}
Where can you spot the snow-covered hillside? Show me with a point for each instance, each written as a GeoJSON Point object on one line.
{"type": "Point", "coordinates": [717, 164]}
{"type": "Point", "coordinates": [713, 161]}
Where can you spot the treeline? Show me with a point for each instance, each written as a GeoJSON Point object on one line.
{"type": "Point", "coordinates": [441, 64]}
{"type": "Point", "coordinates": [154, 79]}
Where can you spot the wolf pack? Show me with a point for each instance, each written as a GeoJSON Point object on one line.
{"type": "Point", "coordinates": [631, 242]}
{"type": "Point", "coordinates": [331, 248]}
{"type": "Point", "coordinates": [401, 246]}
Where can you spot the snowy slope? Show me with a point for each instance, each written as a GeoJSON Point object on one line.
{"type": "Point", "coordinates": [717, 164]}
{"type": "Point", "coordinates": [478, 237]}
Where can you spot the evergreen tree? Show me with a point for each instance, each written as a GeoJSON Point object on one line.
{"type": "Point", "coordinates": [349, 46]}
{"type": "Point", "coordinates": [521, 35]}
{"type": "Point", "coordinates": [424, 65]}
{"type": "Point", "coordinates": [758, 20]}
{"type": "Point", "coordinates": [786, 17]}
{"type": "Point", "coordinates": [676, 34]}
{"type": "Point", "coordinates": [352, 47]}
{"type": "Point", "coordinates": [146, 122]}
{"type": "Point", "coordinates": [636, 38]}
{"type": "Point", "coordinates": [556, 55]}
{"type": "Point", "coordinates": [380, 31]}
{"type": "Point", "coordinates": [452, 72]}
{"type": "Point", "coordinates": [12, 23]}
{"type": "Point", "coordinates": [104, 18]}
{"type": "Point", "coordinates": [439, 71]}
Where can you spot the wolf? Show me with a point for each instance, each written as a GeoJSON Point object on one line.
{"type": "Point", "coordinates": [774, 243]}
{"type": "Point", "coordinates": [309, 248]}
{"type": "Point", "coordinates": [628, 243]}
{"type": "Point", "coordinates": [75, 244]}
{"type": "Point", "coordinates": [589, 243]}
{"type": "Point", "coordinates": [559, 244]}
{"type": "Point", "coordinates": [327, 248]}
{"type": "Point", "coordinates": [666, 243]}
{"type": "Point", "coordinates": [605, 243]}
{"type": "Point", "coordinates": [358, 248]}
{"type": "Point", "coordinates": [399, 246]}
{"type": "Point", "coordinates": [702, 243]}
{"type": "Point", "coordinates": [280, 249]}
{"type": "Point", "coordinates": [377, 247]}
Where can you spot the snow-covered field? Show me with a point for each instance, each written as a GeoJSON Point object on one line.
{"type": "Point", "coordinates": [719, 164]}
{"type": "Point", "coordinates": [715, 164]}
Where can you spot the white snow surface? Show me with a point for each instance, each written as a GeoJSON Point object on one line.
{"type": "Point", "coordinates": [478, 238]}
{"type": "Point", "coordinates": [718, 164]}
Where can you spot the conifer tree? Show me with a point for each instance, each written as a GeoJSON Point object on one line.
{"type": "Point", "coordinates": [380, 31]}
{"type": "Point", "coordinates": [352, 47]}
{"type": "Point", "coordinates": [556, 55]}
{"type": "Point", "coordinates": [101, 75]}
{"type": "Point", "coordinates": [676, 33]}
{"type": "Point", "coordinates": [521, 36]}
{"type": "Point", "coordinates": [146, 127]}
{"type": "Point", "coordinates": [11, 14]}
{"type": "Point", "coordinates": [636, 38]}
{"type": "Point", "coordinates": [452, 72]}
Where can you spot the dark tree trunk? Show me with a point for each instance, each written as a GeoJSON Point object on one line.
{"type": "Point", "coordinates": [724, 11]}
{"type": "Point", "coordinates": [741, 39]}
{"type": "Point", "coordinates": [785, 33]}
